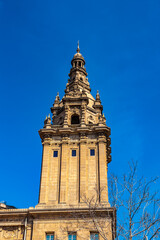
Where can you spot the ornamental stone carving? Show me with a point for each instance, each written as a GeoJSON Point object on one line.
{"type": "Point", "coordinates": [10, 233]}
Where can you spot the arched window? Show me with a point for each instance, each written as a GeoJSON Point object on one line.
{"type": "Point", "coordinates": [75, 119]}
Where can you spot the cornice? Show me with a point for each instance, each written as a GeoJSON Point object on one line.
{"type": "Point", "coordinates": [73, 99]}
{"type": "Point", "coordinates": [17, 212]}
{"type": "Point", "coordinates": [59, 130]}
{"type": "Point", "coordinates": [24, 212]}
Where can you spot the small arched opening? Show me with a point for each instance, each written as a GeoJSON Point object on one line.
{"type": "Point", "coordinates": [75, 119]}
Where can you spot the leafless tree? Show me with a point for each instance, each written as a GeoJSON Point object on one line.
{"type": "Point", "coordinates": [92, 216]}
{"type": "Point", "coordinates": [137, 204]}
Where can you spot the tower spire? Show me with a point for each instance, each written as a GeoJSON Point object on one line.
{"type": "Point", "coordinates": [78, 49]}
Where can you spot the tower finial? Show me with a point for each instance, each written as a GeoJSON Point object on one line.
{"type": "Point", "coordinates": [97, 95]}
{"type": "Point", "coordinates": [78, 49]}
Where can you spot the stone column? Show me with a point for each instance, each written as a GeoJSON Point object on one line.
{"type": "Point", "coordinates": [44, 184]}
{"type": "Point", "coordinates": [83, 168]}
{"type": "Point", "coordinates": [54, 176]}
{"type": "Point", "coordinates": [63, 170]}
{"type": "Point", "coordinates": [103, 168]}
{"type": "Point", "coordinates": [72, 175]}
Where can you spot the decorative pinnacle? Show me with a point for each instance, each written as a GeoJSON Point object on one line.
{"type": "Point", "coordinates": [97, 95]}
{"type": "Point", "coordinates": [78, 49]}
{"type": "Point", "coordinates": [57, 97]}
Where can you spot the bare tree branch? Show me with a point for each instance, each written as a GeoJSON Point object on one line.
{"type": "Point", "coordinates": [137, 204]}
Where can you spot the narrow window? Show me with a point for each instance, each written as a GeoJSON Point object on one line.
{"type": "Point", "coordinates": [92, 152]}
{"type": "Point", "coordinates": [72, 236]}
{"type": "Point", "coordinates": [73, 153]}
{"type": "Point", "coordinates": [49, 236]}
{"type": "Point", "coordinates": [55, 154]}
{"type": "Point", "coordinates": [79, 64]}
{"type": "Point", "coordinates": [75, 119]}
{"type": "Point", "coordinates": [94, 236]}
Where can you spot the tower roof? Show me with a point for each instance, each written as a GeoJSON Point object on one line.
{"type": "Point", "coordinates": [78, 55]}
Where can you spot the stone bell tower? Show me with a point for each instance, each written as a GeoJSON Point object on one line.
{"type": "Point", "coordinates": [73, 198]}
{"type": "Point", "coordinates": [76, 145]}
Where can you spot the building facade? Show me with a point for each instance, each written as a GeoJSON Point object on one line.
{"type": "Point", "coordinates": [73, 198]}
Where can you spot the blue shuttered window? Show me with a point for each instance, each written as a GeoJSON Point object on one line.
{"type": "Point", "coordinates": [55, 154]}
{"type": "Point", "coordinates": [50, 237]}
{"type": "Point", "coordinates": [73, 153]}
{"type": "Point", "coordinates": [72, 236]}
{"type": "Point", "coordinates": [92, 152]}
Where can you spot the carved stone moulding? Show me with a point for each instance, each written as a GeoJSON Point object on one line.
{"type": "Point", "coordinates": [75, 107]}
{"type": "Point", "coordinates": [48, 136]}
{"type": "Point", "coordinates": [10, 232]}
{"type": "Point", "coordinates": [83, 135]}
{"type": "Point", "coordinates": [65, 137]}
{"type": "Point", "coordinates": [101, 134]}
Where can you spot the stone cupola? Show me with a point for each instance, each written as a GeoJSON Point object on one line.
{"type": "Point", "coordinates": [78, 75]}
{"type": "Point", "coordinates": [78, 106]}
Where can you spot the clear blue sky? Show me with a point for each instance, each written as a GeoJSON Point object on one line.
{"type": "Point", "coordinates": [120, 41]}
